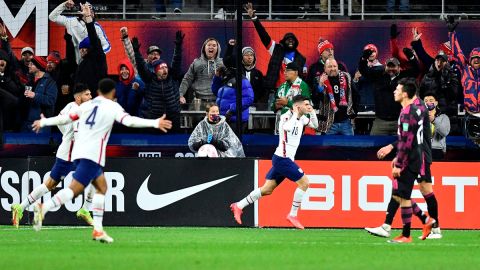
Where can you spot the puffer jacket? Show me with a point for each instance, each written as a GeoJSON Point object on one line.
{"type": "Point", "coordinates": [227, 97]}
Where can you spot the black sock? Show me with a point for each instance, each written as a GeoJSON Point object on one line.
{"type": "Point", "coordinates": [418, 212]}
{"type": "Point", "coordinates": [391, 211]}
{"type": "Point", "coordinates": [407, 220]}
{"type": "Point", "coordinates": [432, 206]}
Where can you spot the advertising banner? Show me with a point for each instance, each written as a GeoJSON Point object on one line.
{"type": "Point", "coordinates": [355, 194]}
{"type": "Point", "coordinates": [142, 192]}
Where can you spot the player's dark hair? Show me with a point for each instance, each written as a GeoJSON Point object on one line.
{"type": "Point", "coordinates": [79, 88]}
{"type": "Point", "coordinates": [106, 86]}
{"type": "Point", "coordinates": [299, 98]}
{"type": "Point", "coordinates": [409, 86]}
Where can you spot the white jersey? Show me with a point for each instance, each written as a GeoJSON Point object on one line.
{"type": "Point", "coordinates": [96, 119]}
{"type": "Point", "coordinates": [290, 133]}
{"type": "Point", "coordinates": [68, 131]}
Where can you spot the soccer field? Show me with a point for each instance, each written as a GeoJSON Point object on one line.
{"type": "Point", "coordinates": [231, 248]}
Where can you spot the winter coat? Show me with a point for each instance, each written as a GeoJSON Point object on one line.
{"type": "Point", "coordinates": [227, 97]}
{"type": "Point", "coordinates": [160, 96]}
{"type": "Point", "coordinates": [223, 138]}
{"type": "Point", "coordinates": [199, 75]}
{"type": "Point", "coordinates": [315, 70]}
{"type": "Point", "coordinates": [128, 97]}
{"type": "Point", "coordinates": [45, 90]}
{"type": "Point", "coordinates": [93, 67]}
{"type": "Point", "coordinates": [254, 75]}
{"type": "Point", "coordinates": [445, 85]}
{"type": "Point", "coordinates": [278, 54]}
{"type": "Point", "coordinates": [470, 76]}
{"type": "Point", "coordinates": [385, 106]}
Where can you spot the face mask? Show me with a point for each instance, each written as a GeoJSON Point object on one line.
{"type": "Point", "coordinates": [215, 118]}
{"type": "Point", "coordinates": [431, 106]}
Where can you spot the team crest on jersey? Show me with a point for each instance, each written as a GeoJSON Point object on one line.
{"type": "Point", "coordinates": [405, 126]}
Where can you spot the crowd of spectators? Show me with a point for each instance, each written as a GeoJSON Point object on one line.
{"type": "Point", "coordinates": [148, 86]}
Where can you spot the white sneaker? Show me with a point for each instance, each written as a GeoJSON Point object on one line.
{"type": "Point", "coordinates": [436, 233]}
{"type": "Point", "coordinates": [382, 231]}
{"type": "Point", "coordinates": [220, 15]}
{"type": "Point", "coordinates": [102, 236]}
{"type": "Point", "coordinates": [37, 216]}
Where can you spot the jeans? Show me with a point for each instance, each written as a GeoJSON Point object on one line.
{"type": "Point", "coordinates": [404, 5]}
{"type": "Point", "coordinates": [341, 128]}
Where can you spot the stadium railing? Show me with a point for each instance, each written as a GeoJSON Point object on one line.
{"type": "Point", "coordinates": [336, 9]}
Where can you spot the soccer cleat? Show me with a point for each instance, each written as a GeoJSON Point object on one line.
{"type": "Point", "coordinates": [427, 227]}
{"type": "Point", "coordinates": [17, 214]}
{"type": "Point", "coordinates": [434, 234]}
{"type": "Point", "coordinates": [295, 222]}
{"type": "Point", "coordinates": [237, 212]}
{"type": "Point", "coordinates": [84, 215]}
{"type": "Point", "coordinates": [102, 237]}
{"type": "Point", "coordinates": [381, 231]}
{"type": "Point", "coordinates": [401, 239]}
{"type": "Point", "coordinates": [38, 216]}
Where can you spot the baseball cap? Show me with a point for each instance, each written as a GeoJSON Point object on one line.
{"type": "Point", "coordinates": [442, 55]}
{"type": "Point", "coordinates": [27, 49]}
{"type": "Point", "coordinates": [154, 48]}
{"type": "Point", "coordinates": [393, 61]}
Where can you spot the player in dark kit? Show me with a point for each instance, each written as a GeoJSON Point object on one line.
{"type": "Point", "coordinates": [425, 185]}
{"type": "Point", "coordinates": [408, 162]}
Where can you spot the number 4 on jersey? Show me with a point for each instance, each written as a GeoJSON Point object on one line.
{"type": "Point", "coordinates": [91, 118]}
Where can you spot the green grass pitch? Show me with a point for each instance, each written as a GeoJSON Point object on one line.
{"type": "Point", "coordinates": [231, 248]}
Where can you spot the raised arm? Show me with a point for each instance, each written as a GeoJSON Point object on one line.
{"type": "Point", "coordinates": [177, 55]}
{"type": "Point", "coordinates": [127, 45]}
{"type": "Point", "coordinates": [55, 15]}
{"type": "Point", "coordinates": [144, 73]}
{"type": "Point", "coordinates": [262, 33]}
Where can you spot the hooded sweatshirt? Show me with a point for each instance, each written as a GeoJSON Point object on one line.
{"type": "Point", "coordinates": [128, 97]}
{"type": "Point", "coordinates": [200, 73]}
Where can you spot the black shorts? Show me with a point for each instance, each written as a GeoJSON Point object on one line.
{"type": "Point", "coordinates": [403, 186]}
{"type": "Point", "coordinates": [426, 175]}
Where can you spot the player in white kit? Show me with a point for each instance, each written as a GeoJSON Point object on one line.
{"type": "Point", "coordinates": [63, 163]}
{"type": "Point", "coordinates": [96, 119]}
{"type": "Point", "coordinates": [291, 128]}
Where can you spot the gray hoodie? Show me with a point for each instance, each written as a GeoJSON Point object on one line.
{"type": "Point", "coordinates": [441, 128]}
{"type": "Point", "coordinates": [200, 73]}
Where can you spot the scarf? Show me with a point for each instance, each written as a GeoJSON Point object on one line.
{"type": "Point", "coordinates": [292, 91]}
{"type": "Point", "coordinates": [330, 92]}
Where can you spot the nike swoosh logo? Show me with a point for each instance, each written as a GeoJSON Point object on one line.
{"type": "Point", "coordinates": [149, 202]}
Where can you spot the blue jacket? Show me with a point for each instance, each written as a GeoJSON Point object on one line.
{"type": "Point", "coordinates": [127, 97]}
{"type": "Point", "coordinates": [226, 97]}
{"type": "Point", "coordinates": [44, 101]}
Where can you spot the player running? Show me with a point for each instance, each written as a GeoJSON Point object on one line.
{"type": "Point", "coordinates": [96, 118]}
{"type": "Point", "coordinates": [63, 163]}
{"type": "Point", "coordinates": [290, 132]}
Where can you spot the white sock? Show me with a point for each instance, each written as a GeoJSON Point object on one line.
{"type": "Point", "coordinates": [297, 201]}
{"type": "Point", "coordinates": [36, 194]}
{"type": "Point", "coordinates": [251, 198]}
{"type": "Point", "coordinates": [98, 204]}
{"type": "Point", "coordinates": [59, 199]}
{"type": "Point", "coordinates": [87, 203]}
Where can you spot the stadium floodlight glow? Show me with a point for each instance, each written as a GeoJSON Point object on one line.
{"type": "Point", "coordinates": [15, 23]}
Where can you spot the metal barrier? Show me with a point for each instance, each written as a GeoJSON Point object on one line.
{"type": "Point", "coordinates": [125, 9]}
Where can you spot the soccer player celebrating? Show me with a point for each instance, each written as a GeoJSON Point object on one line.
{"type": "Point", "coordinates": [96, 118]}
{"type": "Point", "coordinates": [407, 164]}
{"type": "Point", "coordinates": [291, 128]}
{"type": "Point", "coordinates": [63, 163]}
